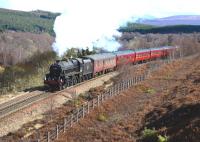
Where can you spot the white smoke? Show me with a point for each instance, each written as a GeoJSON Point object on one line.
{"type": "Point", "coordinates": [88, 23]}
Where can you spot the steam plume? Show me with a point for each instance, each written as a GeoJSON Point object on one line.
{"type": "Point", "coordinates": [90, 23]}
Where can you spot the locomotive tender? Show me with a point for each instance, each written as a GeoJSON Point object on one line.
{"type": "Point", "coordinates": [65, 73]}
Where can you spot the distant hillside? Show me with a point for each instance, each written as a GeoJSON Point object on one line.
{"type": "Point", "coordinates": [173, 20]}
{"type": "Point", "coordinates": [144, 29]}
{"type": "Point", "coordinates": [34, 21]}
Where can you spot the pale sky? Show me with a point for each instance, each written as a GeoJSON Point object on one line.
{"type": "Point", "coordinates": [157, 8]}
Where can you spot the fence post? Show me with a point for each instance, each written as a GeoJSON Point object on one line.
{"type": "Point", "coordinates": [77, 115]}
{"type": "Point", "coordinates": [48, 136]}
{"type": "Point", "coordinates": [57, 127]}
{"type": "Point", "coordinates": [128, 83]}
{"type": "Point", "coordinates": [83, 111]}
{"type": "Point", "coordinates": [110, 92]}
{"type": "Point", "coordinates": [93, 103]}
{"type": "Point", "coordinates": [136, 79]}
{"type": "Point", "coordinates": [88, 107]}
{"type": "Point", "coordinates": [98, 100]}
{"type": "Point", "coordinates": [113, 90]}
{"type": "Point", "coordinates": [64, 128]}
{"type": "Point", "coordinates": [117, 89]}
{"type": "Point", "coordinates": [71, 120]}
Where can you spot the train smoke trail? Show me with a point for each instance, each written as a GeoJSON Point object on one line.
{"type": "Point", "coordinates": [91, 23]}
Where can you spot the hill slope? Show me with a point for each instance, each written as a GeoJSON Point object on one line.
{"type": "Point", "coordinates": [173, 24]}
{"type": "Point", "coordinates": [35, 21]}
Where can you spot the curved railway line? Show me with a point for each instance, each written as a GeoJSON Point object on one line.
{"type": "Point", "coordinates": [21, 102]}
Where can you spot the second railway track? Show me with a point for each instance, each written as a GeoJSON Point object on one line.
{"type": "Point", "coordinates": [19, 103]}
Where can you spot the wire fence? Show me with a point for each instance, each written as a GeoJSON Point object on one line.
{"type": "Point", "coordinates": [87, 107]}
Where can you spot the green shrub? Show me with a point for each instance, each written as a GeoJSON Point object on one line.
{"type": "Point", "coordinates": [77, 103]}
{"type": "Point", "coordinates": [162, 138]}
{"type": "Point", "coordinates": [149, 133]}
{"type": "Point", "coordinates": [150, 91]}
{"type": "Point", "coordinates": [2, 69]}
{"type": "Point", "coordinates": [102, 117]}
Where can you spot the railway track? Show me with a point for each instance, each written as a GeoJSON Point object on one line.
{"type": "Point", "coordinates": [19, 103]}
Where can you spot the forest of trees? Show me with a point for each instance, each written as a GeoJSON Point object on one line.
{"type": "Point", "coordinates": [145, 29]}
{"type": "Point", "coordinates": [35, 21]}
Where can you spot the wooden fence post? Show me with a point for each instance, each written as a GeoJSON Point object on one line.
{"type": "Point", "coordinates": [88, 107]}
{"type": "Point", "coordinates": [113, 90]}
{"type": "Point", "coordinates": [117, 89]}
{"type": "Point", "coordinates": [57, 128]}
{"type": "Point", "coordinates": [98, 100]}
{"type": "Point", "coordinates": [93, 104]}
{"type": "Point", "coordinates": [64, 128]}
{"type": "Point", "coordinates": [77, 115]}
{"type": "Point", "coordinates": [109, 92]}
{"type": "Point", "coordinates": [83, 111]}
{"type": "Point", "coordinates": [71, 120]}
{"type": "Point", "coordinates": [136, 79]}
{"type": "Point", "coordinates": [124, 85]}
